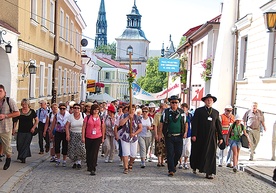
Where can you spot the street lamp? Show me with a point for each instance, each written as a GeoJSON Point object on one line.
{"type": "Point", "coordinates": [129, 53]}
{"type": "Point", "coordinates": [32, 67]}
{"type": "Point", "coordinates": [8, 46]}
{"type": "Point", "coordinates": [270, 20]}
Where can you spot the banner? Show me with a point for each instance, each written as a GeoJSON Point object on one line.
{"type": "Point", "coordinates": [173, 89]}
{"type": "Point", "coordinates": [90, 85]}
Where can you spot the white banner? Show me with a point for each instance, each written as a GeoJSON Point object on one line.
{"type": "Point", "coordinates": [174, 89]}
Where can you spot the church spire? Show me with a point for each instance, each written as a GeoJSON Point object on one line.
{"type": "Point", "coordinates": [134, 18]}
{"type": "Point", "coordinates": [101, 27]}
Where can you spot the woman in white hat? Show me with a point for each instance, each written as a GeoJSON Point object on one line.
{"type": "Point", "coordinates": [234, 139]}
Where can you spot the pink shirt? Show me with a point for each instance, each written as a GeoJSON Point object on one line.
{"type": "Point", "coordinates": [93, 128]}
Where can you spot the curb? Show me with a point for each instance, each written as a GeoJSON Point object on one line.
{"type": "Point", "coordinates": [258, 174]}
{"type": "Point", "coordinates": [12, 181]}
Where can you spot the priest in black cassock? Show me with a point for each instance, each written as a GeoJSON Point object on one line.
{"type": "Point", "coordinates": [206, 134]}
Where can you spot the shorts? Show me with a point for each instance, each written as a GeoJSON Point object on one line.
{"type": "Point", "coordinates": [235, 143]}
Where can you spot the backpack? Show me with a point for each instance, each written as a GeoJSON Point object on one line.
{"type": "Point", "coordinates": [8, 101]}
{"type": "Point", "coordinates": [166, 121]}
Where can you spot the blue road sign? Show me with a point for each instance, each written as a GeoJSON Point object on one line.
{"type": "Point", "coordinates": [169, 65]}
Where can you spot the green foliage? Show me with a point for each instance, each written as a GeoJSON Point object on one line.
{"type": "Point", "coordinates": [182, 41]}
{"type": "Point", "coordinates": [109, 49]}
{"type": "Point", "coordinates": [154, 81]}
{"type": "Point", "coordinates": [207, 72]}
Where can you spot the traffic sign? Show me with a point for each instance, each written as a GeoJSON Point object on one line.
{"type": "Point", "coordinates": [168, 65]}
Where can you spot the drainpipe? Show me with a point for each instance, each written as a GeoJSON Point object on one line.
{"type": "Point", "coordinates": [190, 41]}
{"type": "Point", "coordinates": [54, 92]}
{"type": "Point", "coordinates": [235, 62]}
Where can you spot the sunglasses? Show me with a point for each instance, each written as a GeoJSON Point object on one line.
{"type": "Point", "coordinates": [144, 111]}
{"type": "Point", "coordinates": [76, 108]}
{"type": "Point", "coordinates": [228, 110]}
{"type": "Point", "coordinates": [174, 102]}
{"type": "Point", "coordinates": [62, 108]}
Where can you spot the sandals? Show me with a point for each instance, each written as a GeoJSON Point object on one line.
{"type": "Point", "coordinates": [125, 171]}
{"type": "Point", "coordinates": [130, 167]}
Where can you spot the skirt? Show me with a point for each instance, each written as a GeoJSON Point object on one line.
{"type": "Point", "coordinates": [160, 149]}
{"type": "Point", "coordinates": [76, 149]}
{"type": "Point", "coordinates": [23, 142]}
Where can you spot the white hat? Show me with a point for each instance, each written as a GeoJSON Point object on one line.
{"type": "Point", "coordinates": [152, 105]}
{"type": "Point", "coordinates": [71, 103]}
{"type": "Point", "coordinates": [228, 107]}
{"type": "Point", "coordinates": [238, 118]}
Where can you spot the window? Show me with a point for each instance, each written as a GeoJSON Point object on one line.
{"type": "Point", "coordinates": [59, 81]}
{"type": "Point", "coordinates": [41, 79]}
{"type": "Point", "coordinates": [67, 28]}
{"type": "Point", "coordinates": [34, 10]}
{"type": "Point", "coordinates": [52, 17]}
{"type": "Point", "coordinates": [71, 33]}
{"type": "Point", "coordinates": [65, 81]}
{"type": "Point", "coordinates": [44, 13]}
{"type": "Point", "coordinates": [75, 83]}
{"type": "Point", "coordinates": [77, 41]}
{"type": "Point", "coordinates": [273, 67]}
{"type": "Point", "coordinates": [243, 56]}
{"type": "Point", "coordinates": [70, 82]}
{"type": "Point", "coordinates": [106, 90]}
{"type": "Point", "coordinates": [61, 24]}
{"type": "Point", "coordinates": [107, 75]}
{"type": "Point", "coordinates": [32, 86]}
{"type": "Point", "coordinates": [49, 82]}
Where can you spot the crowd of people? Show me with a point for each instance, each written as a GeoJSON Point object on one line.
{"type": "Point", "coordinates": [176, 136]}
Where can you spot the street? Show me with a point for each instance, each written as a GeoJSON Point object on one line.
{"type": "Point", "coordinates": [46, 177]}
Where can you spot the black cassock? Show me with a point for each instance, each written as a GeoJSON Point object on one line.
{"type": "Point", "coordinates": [206, 127]}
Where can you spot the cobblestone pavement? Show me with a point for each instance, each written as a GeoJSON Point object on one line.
{"type": "Point", "coordinates": [46, 177]}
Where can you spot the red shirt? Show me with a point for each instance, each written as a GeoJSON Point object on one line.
{"type": "Point", "coordinates": [93, 128]}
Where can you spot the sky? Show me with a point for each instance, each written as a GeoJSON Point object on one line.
{"type": "Point", "coordinates": [160, 18]}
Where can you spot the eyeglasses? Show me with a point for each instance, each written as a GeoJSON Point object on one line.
{"type": "Point", "coordinates": [62, 108]}
{"type": "Point", "coordinates": [144, 111]}
{"type": "Point", "coordinates": [228, 110]}
{"type": "Point", "coordinates": [174, 102]}
{"type": "Point", "coordinates": [76, 108]}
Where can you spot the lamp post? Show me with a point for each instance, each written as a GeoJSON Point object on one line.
{"type": "Point", "coordinates": [8, 46]}
{"type": "Point", "coordinates": [129, 53]}
{"type": "Point", "coordinates": [270, 20]}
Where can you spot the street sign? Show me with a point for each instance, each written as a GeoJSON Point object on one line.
{"type": "Point", "coordinates": [91, 85]}
{"type": "Point", "coordinates": [168, 65]}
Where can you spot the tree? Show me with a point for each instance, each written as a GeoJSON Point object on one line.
{"type": "Point", "coordinates": [109, 49]}
{"type": "Point", "coordinates": [154, 81]}
{"type": "Point", "coordinates": [182, 41]}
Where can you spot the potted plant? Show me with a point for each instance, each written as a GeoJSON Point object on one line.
{"type": "Point", "coordinates": [207, 72]}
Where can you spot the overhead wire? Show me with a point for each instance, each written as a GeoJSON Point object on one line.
{"type": "Point", "coordinates": [64, 27]}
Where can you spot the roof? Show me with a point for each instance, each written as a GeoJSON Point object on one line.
{"type": "Point", "coordinates": [133, 33]}
{"type": "Point", "coordinates": [194, 29]}
{"type": "Point", "coordinates": [112, 63]}
{"type": "Point", "coordinates": [8, 27]}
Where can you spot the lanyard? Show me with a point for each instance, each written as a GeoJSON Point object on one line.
{"type": "Point", "coordinates": [209, 113]}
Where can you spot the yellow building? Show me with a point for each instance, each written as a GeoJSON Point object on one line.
{"type": "Point", "coordinates": [49, 38]}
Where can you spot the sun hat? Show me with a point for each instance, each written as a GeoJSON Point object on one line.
{"type": "Point", "coordinates": [209, 96]}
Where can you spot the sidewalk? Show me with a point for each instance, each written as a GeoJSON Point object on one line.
{"type": "Point", "coordinates": [262, 167]}
{"type": "Point", "coordinates": [18, 170]}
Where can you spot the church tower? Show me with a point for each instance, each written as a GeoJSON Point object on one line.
{"type": "Point", "coordinates": [133, 36]}
{"type": "Point", "coordinates": [101, 27]}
